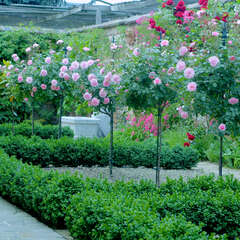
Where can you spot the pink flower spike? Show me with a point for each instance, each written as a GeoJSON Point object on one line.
{"type": "Point", "coordinates": [189, 73]}
{"type": "Point", "coordinates": [192, 87]}
{"type": "Point", "coordinates": [233, 100]}
{"type": "Point", "coordinates": [222, 127]}
{"type": "Point", "coordinates": [157, 81]}
{"type": "Point", "coordinates": [213, 61]}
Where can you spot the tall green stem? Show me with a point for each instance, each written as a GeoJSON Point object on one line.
{"type": "Point", "coordinates": [32, 118]}
{"type": "Point", "coordinates": [221, 156]}
{"type": "Point", "coordinates": [111, 143]}
{"type": "Point", "coordinates": [159, 145]}
{"type": "Point", "coordinates": [60, 117]}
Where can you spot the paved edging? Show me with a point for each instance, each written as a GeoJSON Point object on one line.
{"type": "Point", "coordinates": [16, 224]}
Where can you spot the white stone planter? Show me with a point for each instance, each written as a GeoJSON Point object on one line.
{"type": "Point", "coordinates": [83, 126]}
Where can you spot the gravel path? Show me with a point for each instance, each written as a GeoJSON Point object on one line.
{"type": "Point", "coordinates": [126, 173]}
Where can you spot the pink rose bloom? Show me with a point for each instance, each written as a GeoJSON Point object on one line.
{"type": "Point", "coordinates": [32, 94]}
{"type": "Point", "coordinates": [184, 115]}
{"type": "Point", "coordinates": [43, 73]}
{"type": "Point", "coordinates": [91, 76]}
{"type": "Point", "coordinates": [95, 102]}
{"type": "Point", "coordinates": [35, 45]}
{"type": "Point", "coordinates": [108, 76]}
{"type": "Point", "coordinates": [28, 50]}
{"type": "Point", "coordinates": [51, 51]}
{"type": "Point", "coordinates": [29, 80]}
{"type": "Point", "coordinates": [10, 67]}
{"type": "Point", "coordinates": [116, 78]}
{"type": "Point", "coordinates": [183, 50]}
{"type": "Point", "coordinates": [230, 42]}
{"type": "Point", "coordinates": [102, 93]}
{"type": "Point", "coordinates": [106, 83]}
{"type": "Point", "coordinates": [157, 81]}
{"type": "Point", "coordinates": [84, 65]}
{"type": "Point", "coordinates": [59, 42]}
{"type": "Point", "coordinates": [57, 88]}
{"type": "Point", "coordinates": [48, 60]}
{"type": "Point", "coordinates": [213, 61]}
{"type": "Point", "coordinates": [8, 74]}
{"type": "Point", "coordinates": [16, 69]}
{"type": "Point", "coordinates": [63, 69]}
{"type": "Point", "coordinates": [152, 75]}
{"type": "Point", "coordinates": [171, 70]}
{"type": "Point", "coordinates": [233, 100]}
{"type": "Point", "coordinates": [43, 86]}
{"type": "Point", "coordinates": [66, 76]}
{"type": "Point", "coordinates": [20, 78]}
{"type": "Point", "coordinates": [106, 100]}
{"type": "Point", "coordinates": [75, 65]}
{"type": "Point", "coordinates": [53, 87]}
{"type": "Point", "coordinates": [16, 59]}
{"type": "Point", "coordinates": [113, 46]}
{"type": "Point", "coordinates": [180, 66]}
{"type": "Point", "coordinates": [222, 127]}
{"type": "Point", "coordinates": [94, 82]}
{"type": "Point", "coordinates": [86, 49]}
{"type": "Point", "coordinates": [87, 96]}
{"type": "Point", "coordinates": [232, 58]}
{"type": "Point", "coordinates": [25, 99]}
{"type": "Point", "coordinates": [164, 43]}
{"type": "Point", "coordinates": [65, 61]}
{"type": "Point", "coordinates": [166, 117]}
{"type": "Point", "coordinates": [102, 71]}
{"type": "Point", "coordinates": [192, 87]}
{"type": "Point", "coordinates": [75, 76]}
{"type": "Point", "coordinates": [69, 48]}
{"type": "Point", "coordinates": [29, 62]}
{"type": "Point", "coordinates": [215, 34]}
{"type": "Point", "coordinates": [34, 89]}
{"type": "Point", "coordinates": [61, 74]}
{"type": "Point", "coordinates": [136, 52]}
{"type": "Point", "coordinates": [90, 62]}
{"type": "Point", "coordinates": [54, 82]}
{"type": "Point", "coordinates": [189, 73]}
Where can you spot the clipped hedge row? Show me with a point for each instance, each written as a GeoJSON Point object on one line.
{"type": "Point", "coordinates": [97, 209]}
{"type": "Point", "coordinates": [43, 131]}
{"type": "Point", "coordinates": [90, 152]}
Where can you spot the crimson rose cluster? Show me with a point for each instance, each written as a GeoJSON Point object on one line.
{"type": "Point", "coordinates": [190, 138]}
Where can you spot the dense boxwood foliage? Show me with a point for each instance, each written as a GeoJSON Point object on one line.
{"type": "Point", "coordinates": [43, 131]}
{"type": "Point", "coordinates": [90, 152]}
{"type": "Point", "coordinates": [97, 209]}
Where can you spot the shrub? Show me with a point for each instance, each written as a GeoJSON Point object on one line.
{"type": "Point", "coordinates": [90, 152]}
{"type": "Point", "coordinates": [115, 216]}
{"type": "Point", "coordinates": [25, 129]}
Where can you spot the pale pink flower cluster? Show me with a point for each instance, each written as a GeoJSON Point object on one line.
{"type": "Point", "coordinates": [189, 73]}
{"type": "Point", "coordinates": [183, 50]}
{"type": "Point", "coordinates": [233, 100]}
{"type": "Point", "coordinates": [54, 82]}
{"type": "Point", "coordinates": [75, 65]}
{"type": "Point", "coordinates": [102, 93]}
{"type": "Point", "coordinates": [75, 76]}
{"type": "Point", "coordinates": [180, 66]}
{"type": "Point", "coordinates": [34, 89]}
{"type": "Point", "coordinates": [214, 60]}
{"type": "Point", "coordinates": [182, 113]}
{"type": "Point", "coordinates": [215, 34]}
{"type": "Point", "coordinates": [157, 81]}
{"type": "Point", "coordinates": [192, 87]}
{"type": "Point", "coordinates": [63, 69]}
{"type": "Point", "coordinates": [113, 46]}
{"type": "Point", "coordinates": [66, 76]}
{"type": "Point", "coordinates": [164, 43]}
{"type": "Point", "coordinates": [95, 102]}
{"type": "Point", "coordinates": [84, 65]}
{"type": "Point", "coordinates": [15, 57]}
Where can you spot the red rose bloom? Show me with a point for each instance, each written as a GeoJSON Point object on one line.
{"type": "Point", "coordinates": [190, 136]}
{"type": "Point", "coordinates": [152, 23]}
{"type": "Point", "coordinates": [218, 18]}
{"type": "Point", "coordinates": [169, 2]}
{"type": "Point", "coordinates": [163, 5]}
{"type": "Point", "coordinates": [179, 14]}
{"type": "Point", "coordinates": [179, 21]}
{"type": "Point", "coordinates": [186, 144]}
{"type": "Point", "coordinates": [160, 29]}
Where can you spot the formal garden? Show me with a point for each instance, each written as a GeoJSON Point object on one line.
{"type": "Point", "coordinates": [170, 87]}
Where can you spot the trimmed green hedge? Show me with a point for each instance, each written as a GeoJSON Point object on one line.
{"type": "Point", "coordinates": [97, 209]}
{"type": "Point", "coordinates": [43, 131]}
{"type": "Point", "coordinates": [90, 152]}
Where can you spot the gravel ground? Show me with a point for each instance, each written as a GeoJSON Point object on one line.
{"type": "Point", "coordinates": [126, 173]}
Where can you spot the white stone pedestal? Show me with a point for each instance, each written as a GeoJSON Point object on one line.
{"type": "Point", "coordinates": [82, 126]}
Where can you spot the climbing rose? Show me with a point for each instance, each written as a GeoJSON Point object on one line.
{"type": "Point", "coordinates": [106, 83]}
{"type": "Point", "coordinates": [192, 86]}
{"type": "Point", "coordinates": [189, 73]}
{"type": "Point", "coordinates": [180, 66]}
{"type": "Point", "coordinates": [106, 100]}
{"type": "Point", "coordinates": [183, 50]}
{"type": "Point", "coordinates": [91, 76]}
{"type": "Point", "coordinates": [222, 127]}
{"type": "Point", "coordinates": [29, 62]}
{"type": "Point", "coordinates": [94, 82]}
{"type": "Point", "coordinates": [233, 100]}
{"type": "Point", "coordinates": [75, 76]}
{"type": "Point", "coordinates": [29, 80]}
{"type": "Point", "coordinates": [102, 93]}
{"type": "Point", "coordinates": [116, 78]}
{"type": "Point", "coordinates": [213, 61]}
